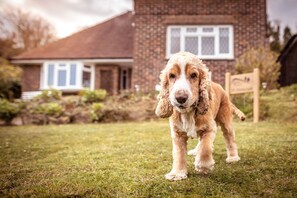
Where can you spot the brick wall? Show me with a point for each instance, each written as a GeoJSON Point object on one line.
{"type": "Point", "coordinates": [152, 17]}
{"type": "Point", "coordinates": [31, 77]}
{"type": "Point", "coordinates": [110, 83]}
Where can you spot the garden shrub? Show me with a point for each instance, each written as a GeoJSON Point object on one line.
{"type": "Point", "coordinates": [50, 95]}
{"type": "Point", "coordinates": [10, 77]}
{"type": "Point", "coordinates": [96, 111]}
{"type": "Point", "coordinates": [90, 96]}
{"type": "Point", "coordinates": [115, 115]}
{"type": "Point", "coordinates": [8, 110]}
{"type": "Point", "coordinates": [50, 109]}
{"type": "Point", "coordinates": [70, 103]}
{"type": "Point", "coordinates": [265, 60]}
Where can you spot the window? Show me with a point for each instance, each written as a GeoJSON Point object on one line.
{"type": "Point", "coordinates": [208, 42]}
{"type": "Point", "coordinates": [125, 78]}
{"type": "Point", "coordinates": [86, 79]}
{"type": "Point", "coordinates": [67, 75]}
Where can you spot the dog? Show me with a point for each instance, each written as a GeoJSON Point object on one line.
{"type": "Point", "coordinates": [195, 106]}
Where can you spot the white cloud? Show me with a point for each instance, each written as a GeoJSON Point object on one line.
{"type": "Point", "coordinates": [284, 11]}
{"type": "Point", "coordinates": [69, 16]}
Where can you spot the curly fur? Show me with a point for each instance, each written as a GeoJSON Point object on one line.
{"type": "Point", "coordinates": [164, 107]}
{"type": "Point", "coordinates": [204, 97]}
{"type": "Point", "coordinates": [207, 105]}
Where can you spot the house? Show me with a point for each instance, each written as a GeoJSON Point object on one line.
{"type": "Point", "coordinates": [130, 50]}
{"type": "Point", "coordinates": [288, 61]}
{"type": "Point", "coordinates": [97, 57]}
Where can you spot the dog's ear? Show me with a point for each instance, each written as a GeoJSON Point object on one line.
{"type": "Point", "coordinates": [204, 94]}
{"type": "Point", "coordinates": [164, 108]}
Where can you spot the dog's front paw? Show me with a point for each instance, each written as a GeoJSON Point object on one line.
{"type": "Point", "coordinates": [232, 159]}
{"type": "Point", "coordinates": [204, 168]}
{"type": "Point", "coordinates": [174, 176]}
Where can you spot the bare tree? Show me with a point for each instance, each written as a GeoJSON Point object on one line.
{"type": "Point", "coordinates": [27, 31]}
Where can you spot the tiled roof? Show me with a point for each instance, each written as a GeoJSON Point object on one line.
{"type": "Point", "coordinates": [108, 40]}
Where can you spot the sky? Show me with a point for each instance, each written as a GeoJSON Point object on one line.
{"type": "Point", "coordinates": [69, 16]}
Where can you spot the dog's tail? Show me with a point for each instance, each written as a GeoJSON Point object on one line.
{"type": "Point", "coordinates": [237, 112]}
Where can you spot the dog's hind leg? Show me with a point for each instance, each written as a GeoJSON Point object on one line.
{"type": "Point", "coordinates": [229, 135]}
{"type": "Point", "coordinates": [224, 118]}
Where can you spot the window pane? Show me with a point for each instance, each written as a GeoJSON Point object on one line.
{"type": "Point", "coordinates": [191, 29]}
{"type": "Point", "coordinates": [50, 77]}
{"type": "Point", "coordinates": [224, 40]}
{"type": "Point", "coordinates": [191, 44]}
{"type": "Point", "coordinates": [124, 79]}
{"type": "Point", "coordinates": [207, 45]}
{"type": "Point", "coordinates": [86, 81]}
{"type": "Point", "coordinates": [208, 29]}
{"type": "Point", "coordinates": [175, 40]}
{"type": "Point", "coordinates": [73, 74]}
{"type": "Point", "coordinates": [62, 78]}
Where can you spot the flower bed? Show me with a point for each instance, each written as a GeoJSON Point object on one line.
{"type": "Point", "coordinates": [87, 107]}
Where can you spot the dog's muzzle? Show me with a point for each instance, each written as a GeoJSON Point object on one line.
{"type": "Point", "coordinates": [181, 98]}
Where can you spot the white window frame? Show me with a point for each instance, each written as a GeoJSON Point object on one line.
{"type": "Point", "coordinates": [78, 76]}
{"type": "Point", "coordinates": [91, 70]}
{"type": "Point", "coordinates": [199, 34]}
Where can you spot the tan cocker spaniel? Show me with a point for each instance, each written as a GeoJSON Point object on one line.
{"type": "Point", "coordinates": [195, 106]}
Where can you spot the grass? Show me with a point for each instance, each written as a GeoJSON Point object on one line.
{"type": "Point", "coordinates": [130, 160]}
{"type": "Point", "coordinates": [275, 105]}
{"type": "Point", "coordinates": [282, 103]}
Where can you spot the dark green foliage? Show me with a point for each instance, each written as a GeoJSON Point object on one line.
{"type": "Point", "coordinates": [274, 36]}
{"type": "Point", "coordinates": [11, 91]}
{"type": "Point", "coordinates": [273, 31]}
{"type": "Point", "coordinates": [9, 80]}
{"type": "Point", "coordinates": [287, 35]}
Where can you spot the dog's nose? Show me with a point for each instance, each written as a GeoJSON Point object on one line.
{"type": "Point", "coordinates": [181, 96]}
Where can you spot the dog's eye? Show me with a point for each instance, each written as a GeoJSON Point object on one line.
{"type": "Point", "coordinates": [171, 76]}
{"type": "Point", "coordinates": [193, 75]}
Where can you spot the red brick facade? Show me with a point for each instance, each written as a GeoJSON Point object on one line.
{"type": "Point", "coordinates": [107, 77]}
{"type": "Point", "coordinates": [31, 77]}
{"type": "Point", "coordinates": [152, 17]}
{"type": "Point", "coordinates": [141, 36]}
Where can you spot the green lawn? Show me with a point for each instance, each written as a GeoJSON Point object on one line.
{"type": "Point", "coordinates": [130, 160]}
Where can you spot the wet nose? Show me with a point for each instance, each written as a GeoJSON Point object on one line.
{"type": "Point", "coordinates": [181, 96]}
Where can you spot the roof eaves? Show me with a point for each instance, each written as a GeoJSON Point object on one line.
{"type": "Point", "coordinates": [90, 60]}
